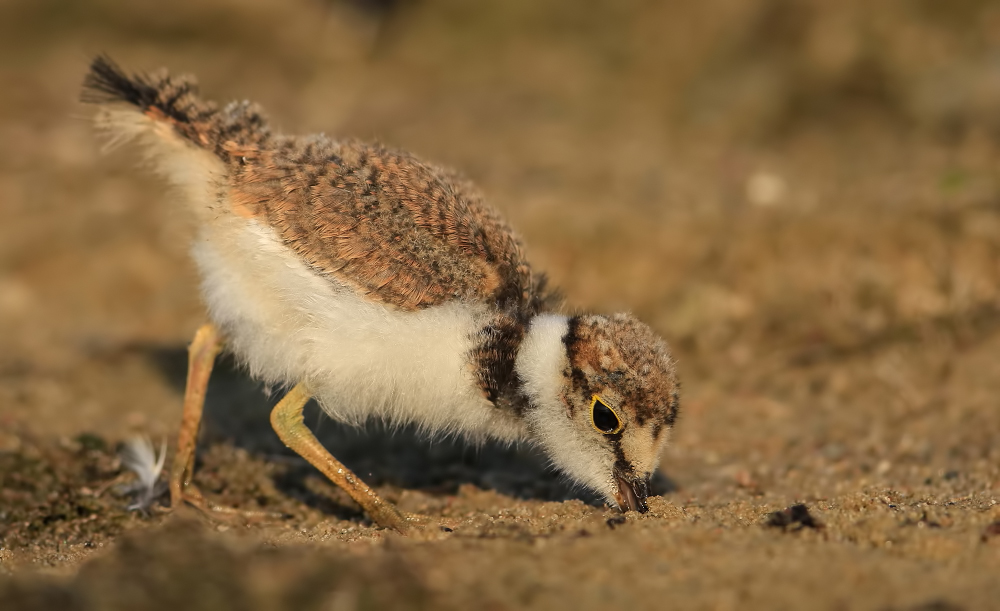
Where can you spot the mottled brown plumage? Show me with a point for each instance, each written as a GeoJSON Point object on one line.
{"type": "Point", "coordinates": [175, 100]}
{"type": "Point", "coordinates": [397, 229]}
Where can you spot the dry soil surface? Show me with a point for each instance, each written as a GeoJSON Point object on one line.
{"type": "Point", "coordinates": [802, 197]}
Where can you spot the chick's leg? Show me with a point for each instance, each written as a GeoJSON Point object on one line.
{"type": "Point", "coordinates": [286, 418]}
{"type": "Point", "coordinates": [204, 348]}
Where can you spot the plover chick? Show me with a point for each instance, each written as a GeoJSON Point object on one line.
{"type": "Point", "coordinates": [383, 287]}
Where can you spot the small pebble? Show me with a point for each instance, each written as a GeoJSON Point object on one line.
{"type": "Point", "coordinates": [991, 531]}
{"type": "Point", "coordinates": [793, 518]}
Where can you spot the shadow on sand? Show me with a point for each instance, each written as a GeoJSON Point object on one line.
{"type": "Point", "coordinates": [237, 411]}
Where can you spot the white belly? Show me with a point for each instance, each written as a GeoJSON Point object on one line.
{"type": "Point", "coordinates": [360, 359]}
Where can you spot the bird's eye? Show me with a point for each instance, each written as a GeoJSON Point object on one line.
{"type": "Point", "coordinates": [604, 418]}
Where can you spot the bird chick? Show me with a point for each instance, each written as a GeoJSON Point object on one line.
{"type": "Point", "coordinates": [384, 287]}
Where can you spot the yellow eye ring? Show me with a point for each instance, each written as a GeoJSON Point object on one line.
{"type": "Point", "coordinates": [603, 418]}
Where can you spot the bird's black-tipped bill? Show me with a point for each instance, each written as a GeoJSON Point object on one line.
{"type": "Point", "coordinates": [632, 493]}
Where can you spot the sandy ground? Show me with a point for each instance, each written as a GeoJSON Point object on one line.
{"type": "Point", "coordinates": [802, 197]}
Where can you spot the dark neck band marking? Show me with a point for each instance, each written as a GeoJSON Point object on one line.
{"type": "Point", "coordinates": [494, 359]}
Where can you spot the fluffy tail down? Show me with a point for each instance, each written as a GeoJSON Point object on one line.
{"type": "Point", "coordinates": [171, 107]}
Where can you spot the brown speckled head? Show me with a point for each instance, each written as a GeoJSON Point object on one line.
{"type": "Point", "coordinates": [621, 382]}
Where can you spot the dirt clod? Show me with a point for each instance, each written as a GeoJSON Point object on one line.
{"type": "Point", "coordinates": [616, 521]}
{"type": "Point", "coordinates": [793, 518]}
{"type": "Point", "coordinates": [991, 531]}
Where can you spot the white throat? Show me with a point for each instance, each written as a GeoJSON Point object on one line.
{"type": "Point", "coordinates": [542, 360]}
{"type": "Point", "coordinates": [541, 365]}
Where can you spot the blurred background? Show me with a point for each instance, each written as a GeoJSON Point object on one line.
{"type": "Point", "coordinates": [801, 196]}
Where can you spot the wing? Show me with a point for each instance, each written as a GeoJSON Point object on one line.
{"type": "Point", "coordinates": [398, 230]}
